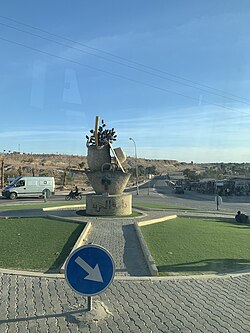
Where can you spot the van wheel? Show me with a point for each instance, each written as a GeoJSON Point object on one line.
{"type": "Point", "coordinates": [47, 192]}
{"type": "Point", "coordinates": [13, 196]}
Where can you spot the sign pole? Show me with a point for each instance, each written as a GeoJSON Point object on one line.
{"type": "Point", "coordinates": [89, 303]}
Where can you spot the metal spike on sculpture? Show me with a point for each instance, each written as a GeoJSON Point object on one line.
{"type": "Point", "coordinates": [106, 174]}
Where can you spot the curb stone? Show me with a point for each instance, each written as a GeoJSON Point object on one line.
{"type": "Point", "coordinates": [149, 259]}
{"type": "Point", "coordinates": [63, 207]}
{"type": "Point", "coordinates": [82, 238]}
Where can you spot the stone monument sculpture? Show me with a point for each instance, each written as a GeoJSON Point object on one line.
{"type": "Point", "coordinates": [106, 174]}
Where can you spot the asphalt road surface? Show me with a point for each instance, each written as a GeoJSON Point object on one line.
{"type": "Point", "coordinates": [159, 192]}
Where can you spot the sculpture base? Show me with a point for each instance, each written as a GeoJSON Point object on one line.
{"type": "Point", "coordinates": [109, 205]}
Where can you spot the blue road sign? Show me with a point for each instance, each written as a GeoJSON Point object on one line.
{"type": "Point", "coordinates": [89, 270]}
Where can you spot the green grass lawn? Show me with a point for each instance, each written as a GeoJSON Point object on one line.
{"type": "Point", "coordinates": [39, 244]}
{"type": "Point", "coordinates": [41, 205]}
{"type": "Point", "coordinates": [184, 246]}
{"type": "Point", "coordinates": [161, 206]}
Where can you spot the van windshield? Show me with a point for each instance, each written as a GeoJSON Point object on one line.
{"type": "Point", "coordinates": [14, 181]}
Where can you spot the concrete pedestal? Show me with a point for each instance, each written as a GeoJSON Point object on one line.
{"type": "Point", "coordinates": [109, 205]}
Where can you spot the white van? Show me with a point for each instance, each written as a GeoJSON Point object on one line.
{"type": "Point", "coordinates": [29, 187]}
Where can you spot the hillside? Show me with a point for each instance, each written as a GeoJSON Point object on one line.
{"type": "Point", "coordinates": [69, 169]}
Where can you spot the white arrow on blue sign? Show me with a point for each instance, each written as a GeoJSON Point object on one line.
{"type": "Point", "coordinates": [89, 270]}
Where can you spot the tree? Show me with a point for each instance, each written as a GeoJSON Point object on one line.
{"type": "Point", "coordinates": [141, 170]}
{"type": "Point", "coordinates": [190, 174]}
{"type": "Point", "coordinates": [151, 170]}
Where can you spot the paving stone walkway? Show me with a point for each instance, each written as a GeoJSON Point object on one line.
{"type": "Point", "coordinates": [48, 305]}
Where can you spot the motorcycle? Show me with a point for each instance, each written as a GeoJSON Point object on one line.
{"type": "Point", "coordinates": [77, 196]}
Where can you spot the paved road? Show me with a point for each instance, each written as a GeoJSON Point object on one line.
{"type": "Point", "coordinates": [161, 193]}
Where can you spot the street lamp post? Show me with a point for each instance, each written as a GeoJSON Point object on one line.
{"type": "Point", "coordinates": [136, 166]}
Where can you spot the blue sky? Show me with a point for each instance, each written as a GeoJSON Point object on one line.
{"type": "Point", "coordinates": [174, 75]}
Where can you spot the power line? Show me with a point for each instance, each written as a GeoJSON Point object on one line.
{"type": "Point", "coordinates": [132, 62]}
{"type": "Point", "coordinates": [118, 75]}
{"type": "Point", "coordinates": [122, 64]}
